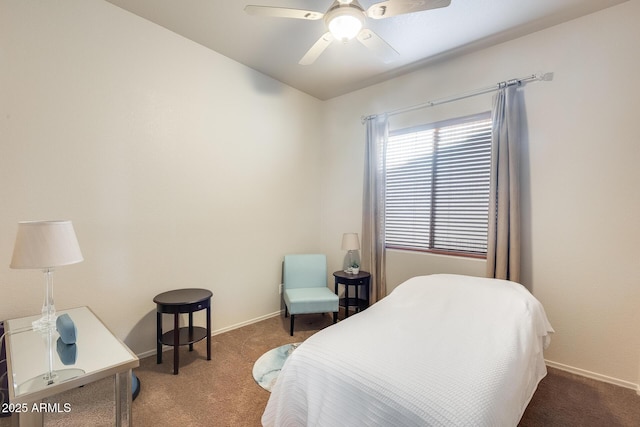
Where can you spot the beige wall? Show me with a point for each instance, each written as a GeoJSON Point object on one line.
{"type": "Point", "coordinates": [580, 177]}
{"type": "Point", "coordinates": [178, 166]}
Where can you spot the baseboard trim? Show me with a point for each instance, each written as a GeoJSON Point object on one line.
{"type": "Point", "coordinates": [593, 375]}
{"type": "Point", "coordinates": [218, 331]}
{"type": "Point", "coordinates": [246, 323]}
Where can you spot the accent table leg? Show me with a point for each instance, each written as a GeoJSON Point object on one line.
{"type": "Point", "coordinates": [346, 300]}
{"type": "Point", "coordinates": [158, 337]}
{"type": "Point", "coordinates": [176, 343]}
{"type": "Point", "coordinates": [367, 288]}
{"type": "Point", "coordinates": [209, 332]}
{"type": "Point", "coordinates": [191, 330]}
{"type": "Point", "coordinates": [335, 291]}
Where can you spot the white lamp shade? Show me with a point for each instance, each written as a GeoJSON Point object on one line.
{"type": "Point", "coordinates": [45, 244]}
{"type": "Point", "coordinates": [350, 242]}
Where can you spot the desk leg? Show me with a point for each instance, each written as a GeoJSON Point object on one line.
{"type": "Point", "coordinates": [209, 333]}
{"type": "Point", "coordinates": [27, 419]}
{"type": "Point", "coordinates": [158, 337]}
{"type": "Point", "coordinates": [176, 343]}
{"type": "Point", "coordinates": [118, 397]}
{"type": "Point", "coordinates": [123, 398]}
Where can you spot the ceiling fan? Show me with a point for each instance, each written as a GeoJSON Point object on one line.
{"type": "Point", "coordinates": [345, 20]}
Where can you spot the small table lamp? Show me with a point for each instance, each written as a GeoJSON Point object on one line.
{"type": "Point", "coordinates": [351, 243]}
{"type": "Point", "coordinates": [45, 245]}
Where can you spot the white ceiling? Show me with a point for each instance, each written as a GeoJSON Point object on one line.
{"type": "Point", "coordinates": [274, 46]}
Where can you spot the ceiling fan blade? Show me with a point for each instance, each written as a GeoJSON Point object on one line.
{"type": "Point", "coordinates": [317, 48]}
{"type": "Point", "coordinates": [282, 12]}
{"type": "Point", "coordinates": [389, 8]}
{"type": "Point", "coordinates": [377, 45]}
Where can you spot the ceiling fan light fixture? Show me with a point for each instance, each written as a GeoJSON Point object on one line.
{"type": "Point", "coordinates": [345, 23]}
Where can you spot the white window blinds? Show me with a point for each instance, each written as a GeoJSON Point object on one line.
{"type": "Point", "coordinates": [437, 186]}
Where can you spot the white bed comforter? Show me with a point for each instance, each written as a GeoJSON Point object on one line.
{"type": "Point", "coordinates": [440, 350]}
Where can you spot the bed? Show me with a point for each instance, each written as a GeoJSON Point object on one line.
{"type": "Point", "coordinates": [440, 350]}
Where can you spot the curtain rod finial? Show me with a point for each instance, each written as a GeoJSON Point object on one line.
{"type": "Point", "coordinates": [544, 76]}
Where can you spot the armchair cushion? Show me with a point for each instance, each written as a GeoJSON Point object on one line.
{"type": "Point", "coordinates": [310, 300]}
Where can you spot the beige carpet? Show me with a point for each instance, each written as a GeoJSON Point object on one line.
{"type": "Point", "coordinates": [222, 392]}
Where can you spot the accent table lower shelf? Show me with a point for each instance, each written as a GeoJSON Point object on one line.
{"type": "Point", "coordinates": [358, 303]}
{"type": "Point", "coordinates": [184, 337]}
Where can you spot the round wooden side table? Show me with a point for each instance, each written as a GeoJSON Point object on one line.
{"type": "Point", "coordinates": [182, 301]}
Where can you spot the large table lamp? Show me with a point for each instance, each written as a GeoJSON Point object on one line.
{"type": "Point", "coordinates": [45, 245]}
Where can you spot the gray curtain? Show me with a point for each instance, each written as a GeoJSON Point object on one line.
{"type": "Point", "coordinates": [503, 243]}
{"type": "Point", "coordinates": [373, 250]}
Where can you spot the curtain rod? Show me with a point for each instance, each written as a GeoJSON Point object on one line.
{"type": "Point", "coordinates": [497, 86]}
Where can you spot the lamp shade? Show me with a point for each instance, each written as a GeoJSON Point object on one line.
{"type": "Point", "coordinates": [350, 242]}
{"type": "Point", "coordinates": [45, 244]}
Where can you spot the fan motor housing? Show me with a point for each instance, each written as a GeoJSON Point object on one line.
{"type": "Point", "coordinates": [344, 21]}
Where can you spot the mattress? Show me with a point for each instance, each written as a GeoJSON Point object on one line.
{"type": "Point", "coordinates": [440, 350]}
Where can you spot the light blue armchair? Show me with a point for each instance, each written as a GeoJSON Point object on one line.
{"type": "Point", "coordinates": [305, 286]}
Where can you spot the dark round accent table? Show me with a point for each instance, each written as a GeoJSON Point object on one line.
{"type": "Point", "coordinates": [182, 301]}
{"type": "Point", "coordinates": [363, 278]}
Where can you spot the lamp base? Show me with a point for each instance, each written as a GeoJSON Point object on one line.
{"type": "Point", "coordinates": [48, 378]}
{"type": "Point", "coordinates": [44, 323]}
{"type": "Point", "coordinates": [48, 319]}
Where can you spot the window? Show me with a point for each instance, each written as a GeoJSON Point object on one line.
{"type": "Point", "coordinates": [437, 186]}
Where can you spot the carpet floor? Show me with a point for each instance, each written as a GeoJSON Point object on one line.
{"type": "Point", "coordinates": [222, 391]}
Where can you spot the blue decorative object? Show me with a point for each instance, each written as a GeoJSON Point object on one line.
{"type": "Point", "coordinates": [66, 329]}
{"type": "Point", "coordinates": [68, 353]}
{"type": "Point", "coordinates": [135, 386]}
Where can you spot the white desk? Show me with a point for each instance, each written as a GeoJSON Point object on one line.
{"type": "Point", "coordinates": [97, 354]}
